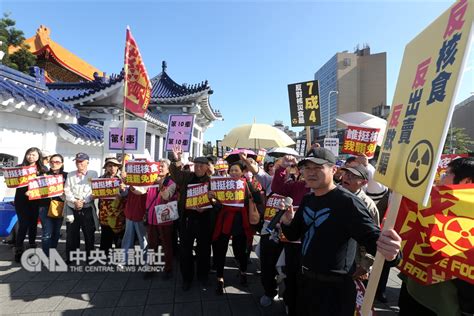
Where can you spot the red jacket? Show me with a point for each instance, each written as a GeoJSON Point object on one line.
{"type": "Point", "coordinates": [135, 207]}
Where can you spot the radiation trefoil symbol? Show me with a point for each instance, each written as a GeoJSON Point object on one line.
{"type": "Point", "coordinates": [419, 163]}
{"type": "Point", "coordinates": [459, 233]}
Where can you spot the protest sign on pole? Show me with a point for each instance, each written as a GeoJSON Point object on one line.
{"type": "Point", "coordinates": [141, 173]}
{"type": "Point", "coordinates": [180, 132]}
{"type": "Point", "coordinates": [17, 177]}
{"type": "Point", "coordinates": [423, 99]}
{"type": "Point", "coordinates": [45, 187]}
{"type": "Point", "coordinates": [360, 141]}
{"type": "Point", "coordinates": [105, 188]}
{"type": "Point", "coordinates": [304, 103]}
{"type": "Point", "coordinates": [134, 137]}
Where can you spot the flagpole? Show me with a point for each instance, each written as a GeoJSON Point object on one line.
{"type": "Point", "coordinates": [125, 91]}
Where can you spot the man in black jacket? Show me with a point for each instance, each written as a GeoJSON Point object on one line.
{"type": "Point", "coordinates": [330, 222]}
{"type": "Point", "coordinates": [194, 224]}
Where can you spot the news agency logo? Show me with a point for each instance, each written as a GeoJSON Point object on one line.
{"type": "Point", "coordinates": [117, 260]}
{"type": "Point", "coordinates": [34, 258]}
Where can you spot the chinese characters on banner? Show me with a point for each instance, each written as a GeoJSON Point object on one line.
{"type": "Point", "coordinates": [196, 196]}
{"type": "Point", "coordinates": [17, 177]}
{"type": "Point", "coordinates": [332, 144]}
{"type": "Point", "coordinates": [115, 140]}
{"type": "Point", "coordinates": [105, 188]}
{"type": "Point", "coordinates": [229, 191]}
{"type": "Point", "coordinates": [443, 164]}
{"type": "Point", "coordinates": [301, 147]}
{"type": "Point", "coordinates": [422, 107]}
{"type": "Point", "coordinates": [360, 141]}
{"type": "Point", "coordinates": [180, 132]}
{"type": "Point", "coordinates": [45, 187]}
{"type": "Point", "coordinates": [134, 137]}
{"type": "Point", "coordinates": [271, 207]}
{"type": "Point", "coordinates": [304, 103]}
{"type": "Point", "coordinates": [141, 173]}
{"type": "Point", "coordinates": [137, 84]}
{"type": "Point", "coordinates": [438, 241]}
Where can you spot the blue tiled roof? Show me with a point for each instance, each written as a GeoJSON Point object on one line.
{"type": "Point", "coordinates": [14, 84]}
{"type": "Point", "coordinates": [164, 87]}
{"type": "Point", "coordinates": [86, 129]}
{"type": "Point", "coordinates": [70, 91]}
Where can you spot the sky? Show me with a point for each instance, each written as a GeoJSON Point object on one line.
{"type": "Point", "coordinates": [249, 51]}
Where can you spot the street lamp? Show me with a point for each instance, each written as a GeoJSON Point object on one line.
{"type": "Point", "coordinates": [329, 111]}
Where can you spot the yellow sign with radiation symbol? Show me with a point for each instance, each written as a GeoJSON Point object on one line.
{"type": "Point", "coordinates": [423, 104]}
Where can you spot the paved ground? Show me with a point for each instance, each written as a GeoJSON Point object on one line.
{"type": "Point", "coordinates": [72, 293]}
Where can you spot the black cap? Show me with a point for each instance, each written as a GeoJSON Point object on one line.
{"type": "Point", "coordinates": [81, 156]}
{"type": "Point", "coordinates": [202, 160]}
{"type": "Point", "coordinates": [318, 155]}
{"type": "Point", "coordinates": [358, 170]}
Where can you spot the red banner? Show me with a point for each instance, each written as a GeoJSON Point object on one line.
{"type": "Point", "coordinates": [196, 196]}
{"type": "Point", "coordinates": [443, 164]}
{"type": "Point", "coordinates": [360, 141]}
{"type": "Point", "coordinates": [438, 240]}
{"type": "Point", "coordinates": [141, 173]}
{"type": "Point", "coordinates": [45, 187]}
{"type": "Point", "coordinates": [105, 188]}
{"type": "Point", "coordinates": [229, 191]}
{"type": "Point", "coordinates": [17, 177]}
{"type": "Point", "coordinates": [137, 84]}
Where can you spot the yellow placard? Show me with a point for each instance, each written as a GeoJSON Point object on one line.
{"type": "Point", "coordinates": [422, 106]}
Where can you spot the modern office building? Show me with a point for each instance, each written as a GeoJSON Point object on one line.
{"type": "Point", "coordinates": [351, 82]}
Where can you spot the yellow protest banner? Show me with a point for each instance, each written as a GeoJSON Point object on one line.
{"type": "Point", "coordinates": [422, 106]}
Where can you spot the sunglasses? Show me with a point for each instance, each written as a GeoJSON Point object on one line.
{"type": "Point", "coordinates": [55, 162]}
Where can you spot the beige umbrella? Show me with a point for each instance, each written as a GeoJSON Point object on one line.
{"type": "Point", "coordinates": [256, 136]}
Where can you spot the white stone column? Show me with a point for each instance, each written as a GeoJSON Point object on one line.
{"type": "Point", "coordinates": [152, 146]}
{"type": "Point", "coordinates": [160, 144]}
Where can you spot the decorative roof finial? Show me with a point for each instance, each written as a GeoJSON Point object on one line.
{"type": "Point", "coordinates": [163, 65]}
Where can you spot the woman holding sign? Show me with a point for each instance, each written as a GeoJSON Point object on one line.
{"type": "Point", "coordinates": [111, 213]}
{"type": "Point", "coordinates": [161, 229]}
{"type": "Point", "coordinates": [51, 209]}
{"type": "Point", "coordinates": [233, 221]}
{"type": "Point", "coordinates": [27, 210]}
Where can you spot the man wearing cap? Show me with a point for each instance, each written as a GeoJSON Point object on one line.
{"type": "Point", "coordinates": [329, 222]}
{"type": "Point", "coordinates": [80, 209]}
{"type": "Point", "coordinates": [195, 224]}
{"type": "Point", "coordinates": [353, 180]}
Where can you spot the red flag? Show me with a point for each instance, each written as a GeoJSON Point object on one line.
{"type": "Point", "coordinates": [438, 240]}
{"type": "Point", "coordinates": [137, 84]}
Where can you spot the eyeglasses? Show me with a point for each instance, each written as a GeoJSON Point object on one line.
{"type": "Point", "coordinates": [55, 162]}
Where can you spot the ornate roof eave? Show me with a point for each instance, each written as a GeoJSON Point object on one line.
{"type": "Point", "coordinates": [77, 140]}
{"type": "Point", "coordinates": [51, 52]}
{"type": "Point", "coordinates": [94, 96]}
{"type": "Point", "coordinates": [19, 92]}
{"type": "Point", "coordinates": [208, 112]}
{"type": "Point", "coordinates": [181, 99]}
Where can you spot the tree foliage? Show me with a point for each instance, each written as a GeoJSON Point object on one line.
{"type": "Point", "coordinates": [457, 142]}
{"type": "Point", "coordinates": [22, 59]}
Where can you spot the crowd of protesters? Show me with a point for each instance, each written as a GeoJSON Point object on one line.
{"type": "Point", "coordinates": [326, 239]}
